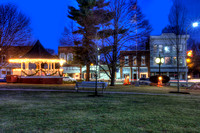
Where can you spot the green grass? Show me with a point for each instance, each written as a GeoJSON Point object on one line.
{"type": "Point", "coordinates": [76, 112]}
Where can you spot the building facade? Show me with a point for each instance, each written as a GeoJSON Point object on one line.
{"type": "Point", "coordinates": [70, 68]}
{"type": "Point", "coordinates": [11, 52]}
{"type": "Point", "coordinates": [165, 46]}
{"type": "Point", "coordinates": [73, 68]}
{"type": "Point", "coordinates": [135, 64]}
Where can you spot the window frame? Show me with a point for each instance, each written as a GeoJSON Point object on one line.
{"type": "Point", "coordinates": [134, 58]}
{"type": "Point", "coordinates": [126, 60]}
{"type": "Point", "coordinates": [143, 64]}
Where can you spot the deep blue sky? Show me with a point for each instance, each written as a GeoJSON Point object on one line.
{"type": "Point", "coordinates": [48, 17]}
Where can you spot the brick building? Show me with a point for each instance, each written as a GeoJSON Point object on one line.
{"type": "Point", "coordinates": [71, 67]}
{"type": "Point", "coordinates": [135, 64]}
{"type": "Point", "coordinates": [11, 52]}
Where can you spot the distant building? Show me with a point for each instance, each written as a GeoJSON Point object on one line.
{"type": "Point", "coordinates": [165, 46]}
{"type": "Point", "coordinates": [135, 64]}
{"type": "Point", "coordinates": [11, 52]}
{"type": "Point", "coordinates": [70, 68]}
{"type": "Point", "coordinates": [73, 68]}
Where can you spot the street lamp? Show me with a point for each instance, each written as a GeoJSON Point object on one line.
{"type": "Point", "coordinates": [194, 25]}
{"type": "Point", "coordinates": [159, 60]}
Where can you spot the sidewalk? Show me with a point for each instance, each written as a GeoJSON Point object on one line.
{"type": "Point", "coordinates": [100, 92]}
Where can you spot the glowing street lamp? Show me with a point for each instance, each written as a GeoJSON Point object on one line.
{"type": "Point", "coordinates": [159, 60]}
{"type": "Point", "coordinates": [196, 24]}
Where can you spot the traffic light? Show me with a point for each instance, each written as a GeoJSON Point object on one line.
{"type": "Point", "coordinates": [189, 58]}
{"type": "Point", "coordinates": [190, 53]}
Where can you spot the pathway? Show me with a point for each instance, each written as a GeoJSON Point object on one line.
{"type": "Point", "coordinates": [86, 91]}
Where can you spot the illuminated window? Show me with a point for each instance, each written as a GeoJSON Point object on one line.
{"type": "Point", "coordinates": [155, 48]}
{"type": "Point", "coordinates": [143, 75]}
{"type": "Point", "coordinates": [154, 61]}
{"type": "Point", "coordinates": [180, 61]}
{"type": "Point", "coordinates": [174, 48]}
{"type": "Point", "coordinates": [69, 57]}
{"type": "Point", "coordinates": [174, 61]}
{"type": "Point", "coordinates": [126, 61]}
{"type": "Point", "coordinates": [3, 72]}
{"type": "Point", "coordinates": [160, 47]}
{"type": "Point", "coordinates": [134, 60]}
{"type": "Point", "coordinates": [167, 49]}
{"type": "Point", "coordinates": [167, 60]}
{"type": "Point", "coordinates": [180, 47]}
{"type": "Point", "coordinates": [143, 60]}
{"type": "Point", "coordinates": [62, 56]}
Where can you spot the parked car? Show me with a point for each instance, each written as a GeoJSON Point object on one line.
{"type": "Point", "coordinates": [68, 78]}
{"type": "Point", "coordinates": [144, 81]}
{"type": "Point", "coordinates": [3, 79]}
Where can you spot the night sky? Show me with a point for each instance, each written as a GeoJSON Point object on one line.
{"type": "Point", "coordinates": [48, 17]}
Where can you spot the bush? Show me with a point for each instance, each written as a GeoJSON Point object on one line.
{"type": "Point", "coordinates": [69, 82]}
{"type": "Point", "coordinates": [72, 82]}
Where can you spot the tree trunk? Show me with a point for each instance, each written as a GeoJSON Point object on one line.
{"type": "Point", "coordinates": [88, 72]}
{"type": "Point", "coordinates": [113, 71]}
{"type": "Point", "coordinates": [112, 83]}
{"type": "Point", "coordinates": [114, 65]}
{"type": "Point", "coordinates": [177, 46]}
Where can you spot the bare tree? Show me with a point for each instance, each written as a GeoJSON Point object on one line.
{"type": "Point", "coordinates": [14, 27]}
{"type": "Point", "coordinates": [129, 28]}
{"type": "Point", "coordinates": [68, 38]}
{"type": "Point", "coordinates": [177, 20]}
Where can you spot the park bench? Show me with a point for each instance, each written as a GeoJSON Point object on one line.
{"type": "Point", "coordinates": [90, 84]}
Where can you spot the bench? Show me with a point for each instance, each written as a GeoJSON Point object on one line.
{"type": "Point", "coordinates": [90, 84]}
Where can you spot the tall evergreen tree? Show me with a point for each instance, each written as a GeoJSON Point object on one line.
{"type": "Point", "coordinates": [90, 15]}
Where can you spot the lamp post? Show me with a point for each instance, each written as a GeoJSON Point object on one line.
{"type": "Point", "coordinates": [159, 60]}
{"type": "Point", "coordinates": [194, 25]}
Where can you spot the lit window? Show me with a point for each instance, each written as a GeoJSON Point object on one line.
{"type": "Point", "coordinates": [3, 72]}
{"type": "Point", "coordinates": [143, 75]}
{"type": "Point", "coordinates": [154, 61]}
{"type": "Point", "coordinates": [134, 60]}
{"type": "Point", "coordinates": [62, 56]}
{"type": "Point", "coordinates": [160, 48]}
{"type": "Point", "coordinates": [174, 61]}
{"type": "Point", "coordinates": [143, 60]}
{"type": "Point", "coordinates": [167, 49]}
{"type": "Point", "coordinates": [70, 57]}
{"type": "Point", "coordinates": [174, 48]}
{"type": "Point", "coordinates": [180, 61]}
{"type": "Point", "coordinates": [126, 61]}
{"type": "Point", "coordinates": [167, 60]}
{"type": "Point", "coordinates": [155, 48]}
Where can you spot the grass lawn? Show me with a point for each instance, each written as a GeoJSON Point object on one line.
{"type": "Point", "coordinates": [76, 112]}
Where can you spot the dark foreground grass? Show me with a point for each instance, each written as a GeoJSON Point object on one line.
{"type": "Point", "coordinates": [75, 112]}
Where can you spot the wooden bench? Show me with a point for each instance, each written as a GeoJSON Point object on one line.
{"type": "Point", "coordinates": [90, 84]}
